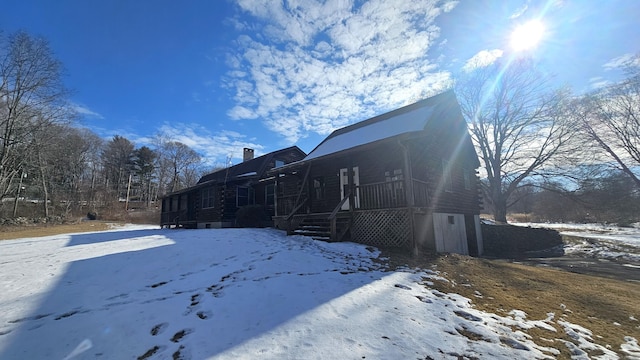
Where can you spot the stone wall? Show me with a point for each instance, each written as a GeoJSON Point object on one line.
{"type": "Point", "coordinates": [508, 241]}
{"type": "Point", "coordinates": [22, 221]}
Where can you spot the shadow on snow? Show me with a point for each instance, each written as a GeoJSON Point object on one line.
{"type": "Point", "coordinates": [171, 296]}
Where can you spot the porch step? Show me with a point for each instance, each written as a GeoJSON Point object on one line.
{"type": "Point", "coordinates": [315, 231]}
{"type": "Point", "coordinates": [319, 228]}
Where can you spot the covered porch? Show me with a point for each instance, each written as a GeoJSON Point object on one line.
{"type": "Point", "coordinates": [377, 213]}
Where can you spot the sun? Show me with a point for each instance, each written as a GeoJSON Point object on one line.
{"type": "Point", "coordinates": [527, 36]}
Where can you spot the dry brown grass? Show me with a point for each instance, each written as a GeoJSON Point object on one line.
{"type": "Point", "coordinates": [601, 305]}
{"type": "Point", "coordinates": [16, 232]}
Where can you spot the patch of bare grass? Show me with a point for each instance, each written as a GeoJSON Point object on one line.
{"type": "Point", "coordinates": [605, 306]}
{"type": "Point", "coordinates": [16, 232]}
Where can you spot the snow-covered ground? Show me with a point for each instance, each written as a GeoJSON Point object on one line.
{"type": "Point", "coordinates": [601, 241]}
{"type": "Point", "coordinates": [142, 292]}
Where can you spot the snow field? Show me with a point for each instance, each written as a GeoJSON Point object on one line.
{"type": "Point", "coordinates": [141, 292]}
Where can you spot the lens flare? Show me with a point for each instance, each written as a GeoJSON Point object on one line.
{"type": "Point", "coordinates": [527, 36]}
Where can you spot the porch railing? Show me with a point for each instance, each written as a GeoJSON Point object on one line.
{"type": "Point", "coordinates": [391, 194]}
{"type": "Point", "coordinates": [333, 223]}
{"type": "Point", "coordinates": [388, 194]}
{"type": "Point", "coordinates": [382, 195]}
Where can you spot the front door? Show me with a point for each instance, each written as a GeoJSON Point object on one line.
{"type": "Point", "coordinates": [344, 186]}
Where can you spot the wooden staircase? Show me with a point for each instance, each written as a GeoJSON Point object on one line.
{"type": "Point", "coordinates": [318, 226]}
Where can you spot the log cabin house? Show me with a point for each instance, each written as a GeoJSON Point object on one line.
{"type": "Point", "coordinates": [214, 201]}
{"type": "Point", "coordinates": [406, 179]}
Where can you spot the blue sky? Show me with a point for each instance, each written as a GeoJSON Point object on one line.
{"type": "Point", "coordinates": [223, 75]}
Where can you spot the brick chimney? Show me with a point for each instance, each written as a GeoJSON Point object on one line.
{"type": "Point", "coordinates": [248, 154]}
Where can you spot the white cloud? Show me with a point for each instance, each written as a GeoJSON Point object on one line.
{"type": "Point", "coordinates": [598, 82]}
{"type": "Point", "coordinates": [625, 60]}
{"type": "Point", "coordinates": [214, 147]}
{"type": "Point", "coordinates": [519, 12]}
{"type": "Point", "coordinates": [323, 65]}
{"type": "Point", "coordinates": [482, 59]}
{"type": "Point", "coordinates": [241, 112]}
{"type": "Point", "coordinates": [85, 111]}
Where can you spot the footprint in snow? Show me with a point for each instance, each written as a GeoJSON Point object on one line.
{"type": "Point", "coordinates": [215, 290]}
{"type": "Point", "coordinates": [405, 287]}
{"type": "Point", "coordinates": [121, 296]}
{"type": "Point", "coordinates": [180, 334]}
{"type": "Point", "coordinates": [195, 299]}
{"type": "Point", "coordinates": [153, 286]}
{"type": "Point", "coordinates": [466, 315]}
{"type": "Point", "coordinates": [159, 329]}
{"type": "Point", "coordinates": [149, 353]}
{"type": "Point", "coordinates": [204, 314]}
{"type": "Point", "coordinates": [181, 354]}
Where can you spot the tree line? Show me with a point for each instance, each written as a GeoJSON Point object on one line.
{"type": "Point", "coordinates": [49, 162]}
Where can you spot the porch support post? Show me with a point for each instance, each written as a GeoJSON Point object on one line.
{"type": "Point", "coordinates": [352, 187]}
{"type": "Point", "coordinates": [275, 195]}
{"type": "Point", "coordinates": [408, 181]}
{"type": "Point", "coordinates": [303, 185]}
{"type": "Point", "coordinates": [333, 227]}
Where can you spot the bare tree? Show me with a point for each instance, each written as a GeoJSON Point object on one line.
{"type": "Point", "coordinates": [182, 162]}
{"type": "Point", "coordinates": [93, 166]}
{"type": "Point", "coordinates": [32, 97]}
{"type": "Point", "coordinates": [610, 119]}
{"type": "Point", "coordinates": [517, 122]}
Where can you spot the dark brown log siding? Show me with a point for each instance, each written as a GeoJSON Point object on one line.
{"type": "Point", "coordinates": [427, 166]}
{"type": "Point", "coordinates": [426, 156]}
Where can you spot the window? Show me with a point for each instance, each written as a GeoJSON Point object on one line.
{"type": "Point", "coordinates": [318, 188]}
{"type": "Point", "coordinates": [208, 197]}
{"type": "Point", "coordinates": [467, 180]}
{"type": "Point", "coordinates": [174, 203]}
{"type": "Point", "coordinates": [244, 196]}
{"type": "Point", "coordinates": [279, 163]}
{"type": "Point", "coordinates": [446, 176]}
{"type": "Point", "coordinates": [451, 220]}
{"type": "Point", "coordinates": [183, 202]}
{"type": "Point", "coordinates": [270, 195]}
{"type": "Point", "coordinates": [394, 175]}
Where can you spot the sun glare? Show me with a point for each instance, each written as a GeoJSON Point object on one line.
{"type": "Point", "coordinates": [527, 35]}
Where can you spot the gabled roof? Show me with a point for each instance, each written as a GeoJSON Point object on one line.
{"type": "Point", "coordinates": [409, 119]}
{"type": "Point", "coordinates": [250, 169]}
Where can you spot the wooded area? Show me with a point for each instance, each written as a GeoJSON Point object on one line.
{"type": "Point", "coordinates": [49, 166]}
{"type": "Point", "coordinates": [545, 152]}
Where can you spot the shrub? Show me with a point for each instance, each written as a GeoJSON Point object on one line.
{"type": "Point", "coordinates": [252, 216]}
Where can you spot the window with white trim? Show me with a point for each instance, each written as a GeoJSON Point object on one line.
{"type": "Point", "coordinates": [270, 195]}
{"type": "Point", "coordinates": [208, 197]}
{"type": "Point", "coordinates": [244, 196]}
